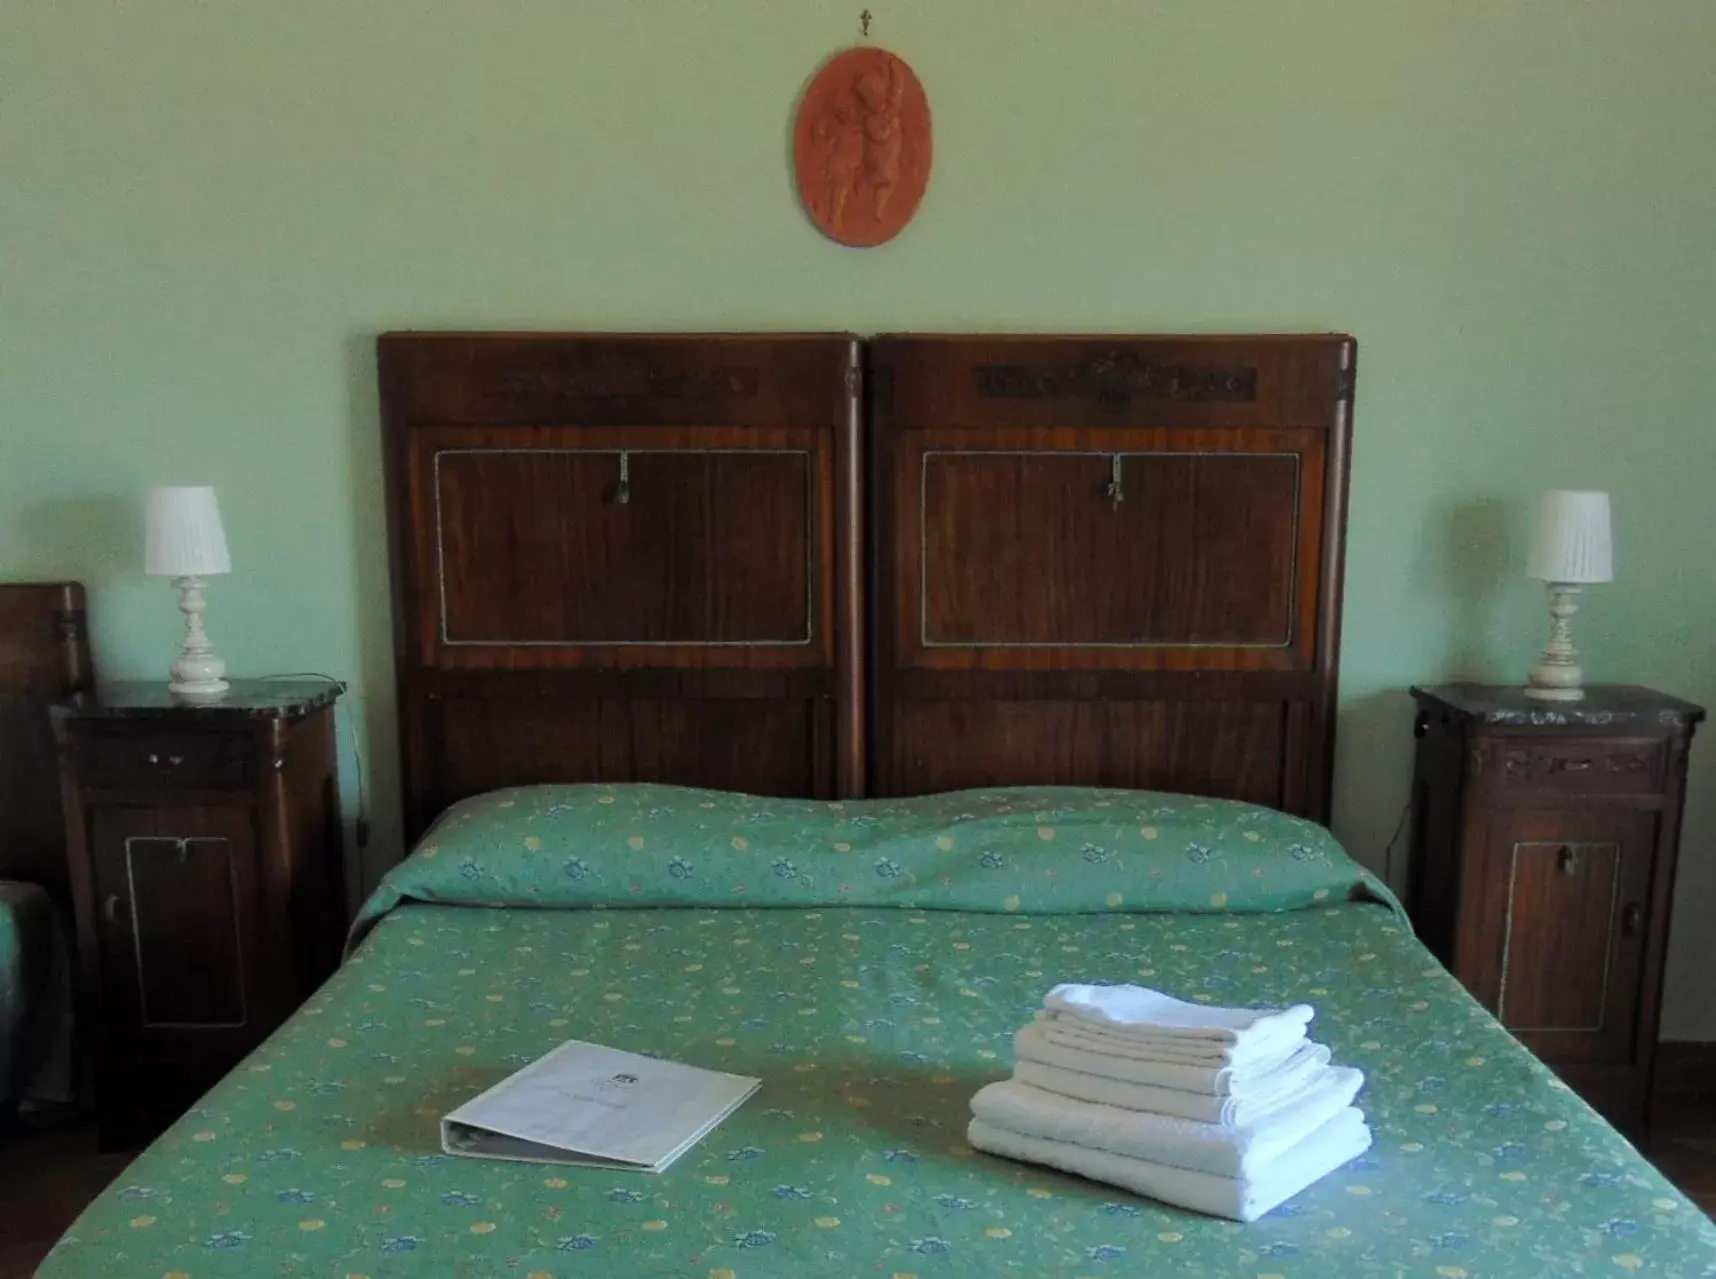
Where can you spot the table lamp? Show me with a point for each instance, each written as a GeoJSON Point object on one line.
{"type": "Point", "coordinates": [1569, 547]}
{"type": "Point", "coordinates": [184, 540]}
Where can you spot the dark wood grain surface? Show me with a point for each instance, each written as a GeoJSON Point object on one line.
{"type": "Point", "coordinates": [1562, 918]}
{"type": "Point", "coordinates": [44, 655]}
{"type": "Point", "coordinates": [1192, 550]}
{"type": "Point", "coordinates": [1573, 933]}
{"type": "Point", "coordinates": [1233, 749]}
{"type": "Point", "coordinates": [173, 884]}
{"type": "Point", "coordinates": [668, 522]}
{"type": "Point", "coordinates": [1090, 559]}
{"type": "Point", "coordinates": [541, 546]}
{"type": "Point", "coordinates": [1544, 848]}
{"type": "Point", "coordinates": [1111, 560]}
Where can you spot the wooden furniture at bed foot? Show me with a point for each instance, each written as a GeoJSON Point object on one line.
{"type": "Point", "coordinates": [44, 656]}
{"type": "Point", "coordinates": [205, 856]}
{"type": "Point", "coordinates": [1544, 844]}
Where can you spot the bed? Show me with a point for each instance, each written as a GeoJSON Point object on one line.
{"type": "Point", "coordinates": [806, 707]}
{"type": "Point", "coordinates": [869, 961]}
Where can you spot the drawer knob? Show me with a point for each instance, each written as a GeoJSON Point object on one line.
{"type": "Point", "coordinates": [1632, 919]}
{"type": "Point", "coordinates": [175, 760]}
{"type": "Point", "coordinates": [1569, 860]}
{"type": "Point", "coordinates": [110, 908]}
{"type": "Point", "coordinates": [154, 758]}
{"type": "Point", "coordinates": [1576, 765]}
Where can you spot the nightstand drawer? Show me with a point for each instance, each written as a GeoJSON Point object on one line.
{"type": "Point", "coordinates": [198, 761]}
{"type": "Point", "coordinates": [1587, 767]}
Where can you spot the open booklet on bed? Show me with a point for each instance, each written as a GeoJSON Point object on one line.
{"type": "Point", "coordinates": [586, 1104]}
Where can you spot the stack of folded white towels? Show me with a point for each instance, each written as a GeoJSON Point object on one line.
{"type": "Point", "coordinates": [1227, 1111]}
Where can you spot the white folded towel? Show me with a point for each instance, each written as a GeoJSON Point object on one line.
{"type": "Point", "coordinates": [1344, 1137]}
{"type": "Point", "coordinates": [1166, 1139]}
{"type": "Point", "coordinates": [1262, 1051]}
{"type": "Point", "coordinates": [1284, 1087]}
{"type": "Point", "coordinates": [1140, 1010]}
{"type": "Point", "coordinates": [1032, 1043]}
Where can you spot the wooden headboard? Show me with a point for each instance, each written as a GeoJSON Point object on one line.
{"type": "Point", "coordinates": [805, 565]}
{"type": "Point", "coordinates": [1109, 561]}
{"type": "Point", "coordinates": [44, 655]}
{"type": "Point", "coordinates": [624, 558]}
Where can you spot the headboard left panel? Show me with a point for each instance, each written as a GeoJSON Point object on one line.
{"type": "Point", "coordinates": [624, 558]}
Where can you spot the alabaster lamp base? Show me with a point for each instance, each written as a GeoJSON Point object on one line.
{"type": "Point", "coordinates": [1557, 675]}
{"type": "Point", "coordinates": [198, 670]}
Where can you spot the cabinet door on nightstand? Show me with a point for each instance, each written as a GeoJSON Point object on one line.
{"type": "Point", "coordinates": [173, 894]}
{"type": "Point", "coordinates": [1578, 894]}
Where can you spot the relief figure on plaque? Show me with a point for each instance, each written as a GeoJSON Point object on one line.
{"type": "Point", "coordinates": [840, 137]}
{"type": "Point", "coordinates": [879, 90]}
{"type": "Point", "coordinates": [861, 146]}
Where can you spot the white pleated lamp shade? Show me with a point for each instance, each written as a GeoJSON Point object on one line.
{"type": "Point", "coordinates": [1571, 542]}
{"type": "Point", "coordinates": [183, 535]}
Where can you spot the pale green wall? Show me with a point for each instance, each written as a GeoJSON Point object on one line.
{"type": "Point", "coordinates": [207, 211]}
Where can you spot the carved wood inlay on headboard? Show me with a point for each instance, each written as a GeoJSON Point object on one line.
{"type": "Point", "coordinates": [1113, 379]}
{"type": "Point", "coordinates": [1108, 560]}
{"type": "Point", "coordinates": [624, 558]}
{"type": "Point", "coordinates": [1096, 560]}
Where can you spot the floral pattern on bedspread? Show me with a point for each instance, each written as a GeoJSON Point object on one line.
{"type": "Point", "coordinates": [870, 1027]}
{"type": "Point", "coordinates": [1036, 850]}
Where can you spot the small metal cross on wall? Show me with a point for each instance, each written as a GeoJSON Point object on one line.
{"type": "Point", "coordinates": [864, 21]}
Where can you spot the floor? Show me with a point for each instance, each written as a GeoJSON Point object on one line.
{"type": "Point", "coordinates": [47, 1178]}
{"type": "Point", "coordinates": [1683, 1147]}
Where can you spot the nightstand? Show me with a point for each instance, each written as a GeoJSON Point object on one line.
{"type": "Point", "coordinates": [1544, 839]}
{"type": "Point", "coordinates": [204, 848]}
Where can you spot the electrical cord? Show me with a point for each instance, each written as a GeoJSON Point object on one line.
{"type": "Point", "coordinates": [1388, 852]}
{"type": "Point", "coordinates": [357, 752]}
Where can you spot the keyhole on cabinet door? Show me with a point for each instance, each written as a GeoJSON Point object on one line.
{"type": "Point", "coordinates": [1569, 860]}
{"type": "Point", "coordinates": [1116, 493]}
{"type": "Point", "coordinates": [622, 493]}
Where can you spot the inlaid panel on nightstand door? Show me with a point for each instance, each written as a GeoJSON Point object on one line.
{"type": "Point", "coordinates": [173, 884]}
{"type": "Point", "coordinates": [1577, 887]}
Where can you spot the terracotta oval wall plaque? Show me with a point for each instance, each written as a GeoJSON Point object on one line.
{"type": "Point", "coordinates": [862, 147]}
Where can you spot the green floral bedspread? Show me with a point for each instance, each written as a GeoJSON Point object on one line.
{"type": "Point", "coordinates": [871, 1025]}
{"type": "Point", "coordinates": [1037, 850]}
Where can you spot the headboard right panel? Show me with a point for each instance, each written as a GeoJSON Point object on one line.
{"type": "Point", "coordinates": [1108, 561]}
